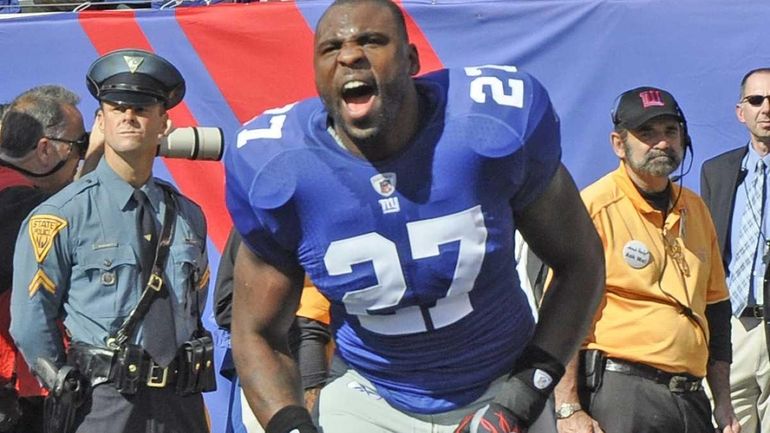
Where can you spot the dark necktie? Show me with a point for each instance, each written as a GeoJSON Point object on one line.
{"type": "Point", "coordinates": [159, 331]}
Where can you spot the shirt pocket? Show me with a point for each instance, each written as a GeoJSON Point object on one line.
{"type": "Point", "coordinates": [185, 272]}
{"type": "Point", "coordinates": [107, 282]}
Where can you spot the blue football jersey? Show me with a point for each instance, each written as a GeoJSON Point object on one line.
{"type": "Point", "coordinates": [416, 252]}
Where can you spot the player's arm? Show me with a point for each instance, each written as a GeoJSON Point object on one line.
{"type": "Point", "coordinates": [265, 300]}
{"type": "Point", "coordinates": [558, 229]}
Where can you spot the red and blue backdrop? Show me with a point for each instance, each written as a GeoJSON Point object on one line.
{"type": "Point", "coordinates": [240, 59]}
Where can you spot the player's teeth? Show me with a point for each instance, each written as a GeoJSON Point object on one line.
{"type": "Point", "coordinates": [353, 85]}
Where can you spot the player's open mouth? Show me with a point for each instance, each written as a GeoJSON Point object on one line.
{"type": "Point", "coordinates": [358, 97]}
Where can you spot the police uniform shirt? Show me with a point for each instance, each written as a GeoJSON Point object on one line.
{"type": "Point", "coordinates": [77, 260]}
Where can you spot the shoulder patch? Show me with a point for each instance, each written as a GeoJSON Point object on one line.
{"type": "Point", "coordinates": [41, 280]}
{"type": "Point", "coordinates": [42, 231]}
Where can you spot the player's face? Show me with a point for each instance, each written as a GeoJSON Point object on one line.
{"type": "Point", "coordinates": [655, 148]}
{"type": "Point", "coordinates": [363, 64]}
{"type": "Point", "coordinates": [753, 113]}
{"type": "Point", "coordinates": [129, 129]}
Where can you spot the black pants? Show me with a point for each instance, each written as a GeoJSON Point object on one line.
{"type": "Point", "coordinates": [150, 410]}
{"type": "Point", "coordinates": [631, 404]}
{"type": "Point", "coordinates": [31, 420]}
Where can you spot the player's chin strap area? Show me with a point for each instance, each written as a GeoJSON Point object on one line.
{"type": "Point", "coordinates": [291, 419]}
{"type": "Point", "coordinates": [521, 398]}
{"type": "Point", "coordinates": [28, 173]}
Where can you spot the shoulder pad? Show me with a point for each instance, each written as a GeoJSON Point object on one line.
{"type": "Point", "coordinates": [261, 161]}
{"type": "Point", "coordinates": [509, 106]}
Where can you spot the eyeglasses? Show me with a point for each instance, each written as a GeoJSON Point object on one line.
{"type": "Point", "coordinates": [81, 144]}
{"type": "Point", "coordinates": [755, 100]}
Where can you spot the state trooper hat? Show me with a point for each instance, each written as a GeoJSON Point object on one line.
{"type": "Point", "coordinates": [135, 77]}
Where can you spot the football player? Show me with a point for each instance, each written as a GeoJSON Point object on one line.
{"type": "Point", "coordinates": [399, 196]}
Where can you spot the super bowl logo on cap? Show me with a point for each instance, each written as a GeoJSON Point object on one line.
{"type": "Point", "coordinates": [636, 254]}
{"type": "Point", "coordinates": [385, 185]}
{"type": "Point", "coordinates": [133, 62]}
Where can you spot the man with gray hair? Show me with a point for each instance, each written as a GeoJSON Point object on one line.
{"type": "Point", "coordinates": [42, 138]}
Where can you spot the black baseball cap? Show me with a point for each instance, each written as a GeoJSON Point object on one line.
{"type": "Point", "coordinates": [135, 78]}
{"type": "Point", "coordinates": [637, 106]}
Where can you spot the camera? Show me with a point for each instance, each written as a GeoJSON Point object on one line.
{"type": "Point", "coordinates": [196, 143]}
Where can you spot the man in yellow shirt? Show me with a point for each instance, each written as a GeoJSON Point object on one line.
{"type": "Point", "coordinates": [661, 326]}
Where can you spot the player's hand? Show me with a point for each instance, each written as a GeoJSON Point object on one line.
{"type": "Point", "coordinates": [578, 422]}
{"type": "Point", "coordinates": [492, 418]}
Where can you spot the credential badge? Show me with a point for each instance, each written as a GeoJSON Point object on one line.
{"type": "Point", "coordinates": [133, 62]}
{"type": "Point", "coordinates": [636, 254]}
{"type": "Point", "coordinates": [384, 183]}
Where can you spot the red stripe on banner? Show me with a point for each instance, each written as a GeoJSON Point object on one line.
{"type": "Point", "coordinates": [429, 60]}
{"type": "Point", "coordinates": [201, 182]}
{"type": "Point", "coordinates": [113, 30]}
{"type": "Point", "coordinates": [260, 54]}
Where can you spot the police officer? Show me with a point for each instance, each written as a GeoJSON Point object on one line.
{"type": "Point", "coordinates": [92, 257]}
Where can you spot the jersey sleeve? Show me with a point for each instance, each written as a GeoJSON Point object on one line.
{"type": "Point", "coordinates": [507, 118]}
{"type": "Point", "coordinates": [42, 265]}
{"type": "Point", "coordinates": [540, 153]}
{"type": "Point", "coordinates": [259, 187]}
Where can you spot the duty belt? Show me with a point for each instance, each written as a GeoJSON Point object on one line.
{"type": "Point", "coordinates": [755, 311]}
{"type": "Point", "coordinates": [96, 364]}
{"type": "Point", "coordinates": [675, 382]}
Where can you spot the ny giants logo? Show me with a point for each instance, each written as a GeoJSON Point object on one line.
{"type": "Point", "coordinates": [651, 98]}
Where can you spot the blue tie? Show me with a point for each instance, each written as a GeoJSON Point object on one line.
{"type": "Point", "coordinates": [740, 284]}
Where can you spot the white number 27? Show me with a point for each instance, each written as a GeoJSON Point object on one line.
{"type": "Point", "coordinates": [512, 96]}
{"type": "Point", "coordinates": [425, 238]}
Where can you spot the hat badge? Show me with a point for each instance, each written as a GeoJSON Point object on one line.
{"type": "Point", "coordinates": [133, 62]}
{"type": "Point", "coordinates": [652, 98]}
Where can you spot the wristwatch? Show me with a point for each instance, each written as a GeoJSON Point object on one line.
{"type": "Point", "coordinates": [567, 409]}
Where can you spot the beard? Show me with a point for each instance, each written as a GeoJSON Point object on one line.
{"type": "Point", "coordinates": [657, 163]}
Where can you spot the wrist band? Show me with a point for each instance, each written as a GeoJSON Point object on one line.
{"type": "Point", "coordinates": [291, 418]}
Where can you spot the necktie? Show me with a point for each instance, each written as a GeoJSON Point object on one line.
{"type": "Point", "coordinates": [159, 332]}
{"type": "Point", "coordinates": [748, 239]}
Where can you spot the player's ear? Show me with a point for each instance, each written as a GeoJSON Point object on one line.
{"type": "Point", "coordinates": [414, 60]}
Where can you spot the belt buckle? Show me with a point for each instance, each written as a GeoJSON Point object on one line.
{"type": "Point", "coordinates": [683, 384]}
{"type": "Point", "coordinates": [157, 376]}
{"type": "Point", "coordinates": [757, 312]}
{"type": "Point", "coordinates": [677, 384]}
{"type": "Point", "coordinates": [155, 282]}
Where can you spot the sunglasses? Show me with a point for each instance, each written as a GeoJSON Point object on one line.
{"type": "Point", "coordinates": [81, 144]}
{"type": "Point", "coordinates": [755, 100]}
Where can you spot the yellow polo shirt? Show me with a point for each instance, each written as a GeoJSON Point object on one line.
{"type": "Point", "coordinates": [649, 263]}
{"type": "Point", "coordinates": [312, 304]}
